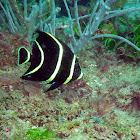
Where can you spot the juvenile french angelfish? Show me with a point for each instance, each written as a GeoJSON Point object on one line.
{"type": "Point", "coordinates": [51, 61]}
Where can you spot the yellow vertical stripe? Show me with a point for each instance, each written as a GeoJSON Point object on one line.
{"type": "Point", "coordinates": [41, 62]}
{"type": "Point", "coordinates": [59, 59]}
{"type": "Point", "coordinates": [71, 70]}
{"type": "Point", "coordinates": [80, 76]}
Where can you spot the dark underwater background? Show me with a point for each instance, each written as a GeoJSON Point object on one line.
{"type": "Point", "coordinates": [103, 105]}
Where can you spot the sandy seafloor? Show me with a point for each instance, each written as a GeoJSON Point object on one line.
{"type": "Point", "coordinates": [103, 105]}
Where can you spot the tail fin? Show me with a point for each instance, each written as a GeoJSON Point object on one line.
{"type": "Point", "coordinates": [23, 55]}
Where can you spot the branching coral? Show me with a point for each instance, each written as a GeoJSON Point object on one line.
{"type": "Point", "coordinates": [100, 12]}
{"type": "Point", "coordinates": [38, 19]}
{"type": "Point", "coordinates": [27, 24]}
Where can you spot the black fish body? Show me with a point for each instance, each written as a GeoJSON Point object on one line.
{"type": "Point", "coordinates": [51, 61]}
